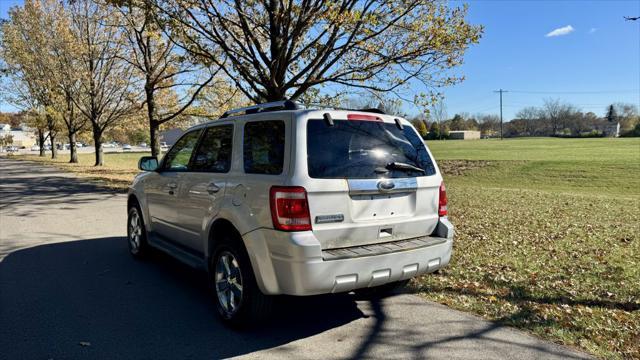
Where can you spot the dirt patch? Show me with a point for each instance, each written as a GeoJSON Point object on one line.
{"type": "Point", "coordinates": [461, 167]}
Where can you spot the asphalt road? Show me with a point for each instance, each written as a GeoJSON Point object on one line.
{"type": "Point", "coordinates": [70, 290]}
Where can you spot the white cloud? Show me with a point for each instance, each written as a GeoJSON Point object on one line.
{"type": "Point", "coordinates": [592, 30]}
{"type": "Point", "coordinates": [561, 31]}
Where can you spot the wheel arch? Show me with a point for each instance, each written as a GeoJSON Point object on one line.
{"type": "Point", "coordinates": [133, 199]}
{"type": "Point", "coordinates": [216, 229]}
{"type": "Point", "coordinates": [260, 271]}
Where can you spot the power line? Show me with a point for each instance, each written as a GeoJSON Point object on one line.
{"type": "Point", "coordinates": [576, 92]}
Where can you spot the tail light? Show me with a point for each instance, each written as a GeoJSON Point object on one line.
{"type": "Point", "coordinates": [289, 208]}
{"type": "Point", "coordinates": [442, 201]}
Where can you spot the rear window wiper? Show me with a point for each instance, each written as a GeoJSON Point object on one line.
{"type": "Point", "coordinates": [404, 166]}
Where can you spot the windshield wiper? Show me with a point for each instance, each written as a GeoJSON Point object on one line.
{"type": "Point", "coordinates": [404, 166]}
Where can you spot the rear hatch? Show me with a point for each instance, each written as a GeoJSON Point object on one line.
{"type": "Point", "coordinates": [371, 181]}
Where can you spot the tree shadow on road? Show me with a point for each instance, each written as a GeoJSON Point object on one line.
{"type": "Point", "coordinates": [55, 297]}
{"type": "Point", "coordinates": [20, 187]}
{"type": "Point", "coordinates": [90, 299]}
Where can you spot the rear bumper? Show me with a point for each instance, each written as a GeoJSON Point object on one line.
{"type": "Point", "coordinates": [294, 263]}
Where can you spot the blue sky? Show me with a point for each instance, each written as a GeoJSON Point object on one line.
{"type": "Point", "coordinates": [596, 61]}
{"type": "Point", "coordinates": [601, 55]}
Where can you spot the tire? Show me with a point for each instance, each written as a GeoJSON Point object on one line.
{"type": "Point", "coordinates": [136, 233]}
{"type": "Point", "coordinates": [382, 290]}
{"type": "Point", "coordinates": [238, 298]}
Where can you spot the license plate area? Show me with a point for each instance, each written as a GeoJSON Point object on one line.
{"type": "Point", "coordinates": [369, 207]}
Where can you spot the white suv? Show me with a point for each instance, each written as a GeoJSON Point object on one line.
{"type": "Point", "coordinates": [279, 199]}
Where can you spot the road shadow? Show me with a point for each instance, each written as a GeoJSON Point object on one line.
{"type": "Point", "coordinates": [43, 186]}
{"type": "Point", "coordinates": [90, 299]}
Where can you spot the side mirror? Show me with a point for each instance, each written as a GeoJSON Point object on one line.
{"type": "Point", "coordinates": [148, 163]}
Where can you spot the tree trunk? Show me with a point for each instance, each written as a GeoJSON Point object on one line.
{"type": "Point", "coordinates": [97, 141]}
{"type": "Point", "coordinates": [41, 140]}
{"type": "Point", "coordinates": [155, 139]}
{"type": "Point", "coordinates": [73, 156]}
{"type": "Point", "coordinates": [54, 149]}
{"type": "Point", "coordinates": [154, 126]}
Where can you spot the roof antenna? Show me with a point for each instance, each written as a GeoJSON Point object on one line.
{"type": "Point", "coordinates": [328, 119]}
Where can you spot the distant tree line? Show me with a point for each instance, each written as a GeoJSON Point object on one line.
{"type": "Point", "coordinates": [553, 118]}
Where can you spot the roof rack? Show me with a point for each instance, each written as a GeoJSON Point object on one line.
{"type": "Point", "coordinates": [289, 105]}
{"type": "Point", "coordinates": [324, 106]}
{"type": "Point", "coordinates": [270, 106]}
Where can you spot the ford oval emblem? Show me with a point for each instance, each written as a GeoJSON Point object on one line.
{"type": "Point", "coordinates": [386, 185]}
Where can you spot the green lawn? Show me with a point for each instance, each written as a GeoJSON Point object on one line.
{"type": "Point", "coordinates": [547, 238]}
{"type": "Point", "coordinates": [547, 235]}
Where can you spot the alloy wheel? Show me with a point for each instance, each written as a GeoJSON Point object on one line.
{"type": "Point", "coordinates": [228, 283]}
{"type": "Point", "coordinates": [135, 231]}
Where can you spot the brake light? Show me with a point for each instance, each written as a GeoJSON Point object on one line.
{"type": "Point", "coordinates": [289, 208]}
{"type": "Point", "coordinates": [442, 201]}
{"type": "Point", "coordinates": [363, 117]}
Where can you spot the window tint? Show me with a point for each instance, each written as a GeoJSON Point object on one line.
{"type": "Point", "coordinates": [177, 159]}
{"type": "Point", "coordinates": [264, 147]}
{"type": "Point", "coordinates": [214, 151]}
{"type": "Point", "coordinates": [364, 150]}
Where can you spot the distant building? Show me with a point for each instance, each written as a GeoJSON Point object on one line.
{"type": "Point", "coordinates": [21, 137]}
{"type": "Point", "coordinates": [464, 135]}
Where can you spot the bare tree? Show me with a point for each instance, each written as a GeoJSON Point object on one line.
{"type": "Point", "coordinates": [489, 124]}
{"type": "Point", "coordinates": [529, 114]}
{"type": "Point", "coordinates": [105, 80]}
{"type": "Point", "coordinates": [280, 49]}
{"type": "Point", "coordinates": [65, 57]}
{"type": "Point", "coordinates": [439, 114]}
{"type": "Point", "coordinates": [30, 32]}
{"type": "Point", "coordinates": [557, 113]}
{"type": "Point", "coordinates": [373, 100]}
{"type": "Point", "coordinates": [172, 80]}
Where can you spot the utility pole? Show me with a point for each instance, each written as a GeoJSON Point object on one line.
{"type": "Point", "coordinates": [500, 91]}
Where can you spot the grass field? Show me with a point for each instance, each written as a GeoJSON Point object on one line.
{"type": "Point", "coordinates": [548, 239]}
{"type": "Point", "coordinates": [118, 171]}
{"type": "Point", "coordinates": [547, 235]}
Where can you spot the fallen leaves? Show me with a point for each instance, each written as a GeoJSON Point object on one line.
{"type": "Point", "coordinates": [551, 263]}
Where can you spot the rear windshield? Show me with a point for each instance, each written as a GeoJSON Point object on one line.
{"type": "Point", "coordinates": [364, 150]}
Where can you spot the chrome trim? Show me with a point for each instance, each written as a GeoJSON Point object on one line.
{"type": "Point", "coordinates": [373, 186]}
{"type": "Point", "coordinates": [333, 218]}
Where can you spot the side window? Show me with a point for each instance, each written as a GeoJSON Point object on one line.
{"type": "Point", "coordinates": [177, 159]}
{"type": "Point", "coordinates": [214, 151]}
{"type": "Point", "coordinates": [264, 147]}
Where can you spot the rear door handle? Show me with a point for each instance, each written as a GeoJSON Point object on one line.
{"type": "Point", "coordinates": [213, 188]}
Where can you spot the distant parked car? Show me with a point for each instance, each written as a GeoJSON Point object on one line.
{"type": "Point", "coordinates": [126, 147]}
{"type": "Point", "coordinates": [79, 144]}
{"type": "Point", "coordinates": [109, 145]}
{"type": "Point", "coordinates": [35, 148]}
{"type": "Point", "coordinates": [164, 146]}
{"type": "Point", "coordinates": [143, 144]}
{"type": "Point", "coordinates": [12, 149]}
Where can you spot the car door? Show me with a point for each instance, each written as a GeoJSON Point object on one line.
{"type": "Point", "coordinates": [203, 186]}
{"type": "Point", "coordinates": [162, 188]}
